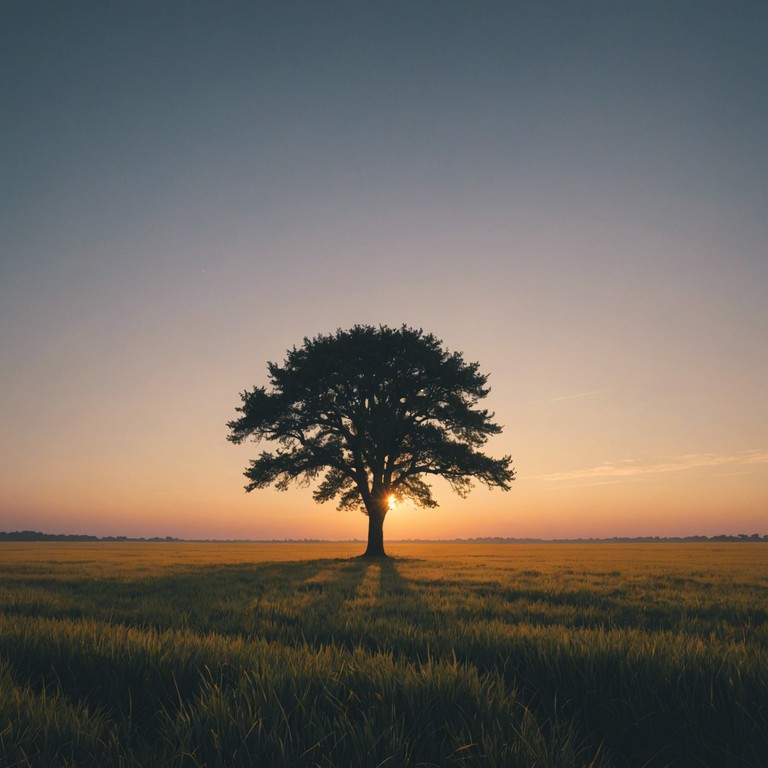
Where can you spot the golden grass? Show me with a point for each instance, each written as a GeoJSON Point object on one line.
{"type": "Point", "coordinates": [193, 654]}
{"type": "Point", "coordinates": [475, 561]}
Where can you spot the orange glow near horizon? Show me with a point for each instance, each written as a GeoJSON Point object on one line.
{"type": "Point", "coordinates": [691, 501]}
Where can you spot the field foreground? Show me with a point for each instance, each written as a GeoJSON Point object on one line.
{"type": "Point", "coordinates": [446, 655]}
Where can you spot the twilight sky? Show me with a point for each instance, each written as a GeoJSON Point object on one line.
{"type": "Point", "coordinates": [573, 194]}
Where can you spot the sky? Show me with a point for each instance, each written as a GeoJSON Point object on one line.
{"type": "Point", "coordinates": [575, 195]}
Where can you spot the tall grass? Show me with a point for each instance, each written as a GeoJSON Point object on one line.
{"type": "Point", "coordinates": [447, 655]}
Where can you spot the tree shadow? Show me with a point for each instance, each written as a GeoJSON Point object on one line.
{"type": "Point", "coordinates": [351, 600]}
{"type": "Point", "coordinates": [339, 585]}
{"type": "Point", "coordinates": [397, 593]}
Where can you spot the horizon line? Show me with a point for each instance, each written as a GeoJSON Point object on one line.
{"type": "Point", "coordinates": [28, 536]}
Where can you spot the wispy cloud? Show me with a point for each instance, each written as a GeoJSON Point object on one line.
{"type": "Point", "coordinates": [629, 468]}
{"type": "Point", "coordinates": [565, 397]}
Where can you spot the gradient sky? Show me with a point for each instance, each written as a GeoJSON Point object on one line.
{"type": "Point", "coordinates": [573, 194]}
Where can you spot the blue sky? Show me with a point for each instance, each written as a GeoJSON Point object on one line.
{"type": "Point", "coordinates": [574, 195]}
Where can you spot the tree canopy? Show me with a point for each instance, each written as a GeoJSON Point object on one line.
{"type": "Point", "coordinates": [370, 413]}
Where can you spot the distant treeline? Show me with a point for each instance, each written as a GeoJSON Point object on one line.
{"type": "Point", "coordinates": [37, 536]}
{"type": "Point", "coordinates": [741, 537]}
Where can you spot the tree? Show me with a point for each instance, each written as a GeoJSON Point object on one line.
{"type": "Point", "coordinates": [370, 412]}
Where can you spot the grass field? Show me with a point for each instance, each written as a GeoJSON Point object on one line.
{"type": "Point", "coordinates": [446, 655]}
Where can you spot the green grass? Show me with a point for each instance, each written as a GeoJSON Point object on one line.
{"type": "Point", "coordinates": [446, 655]}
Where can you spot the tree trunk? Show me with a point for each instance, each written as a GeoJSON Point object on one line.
{"type": "Point", "coordinates": [375, 534]}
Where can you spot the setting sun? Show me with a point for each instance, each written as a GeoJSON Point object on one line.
{"type": "Point", "coordinates": [392, 501]}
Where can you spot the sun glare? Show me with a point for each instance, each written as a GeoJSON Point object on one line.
{"type": "Point", "coordinates": [392, 501]}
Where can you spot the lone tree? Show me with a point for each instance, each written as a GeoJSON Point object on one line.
{"type": "Point", "coordinates": [376, 410]}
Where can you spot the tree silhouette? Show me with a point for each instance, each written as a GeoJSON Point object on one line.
{"type": "Point", "coordinates": [373, 411]}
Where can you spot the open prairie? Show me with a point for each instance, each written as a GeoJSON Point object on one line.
{"type": "Point", "coordinates": [303, 655]}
